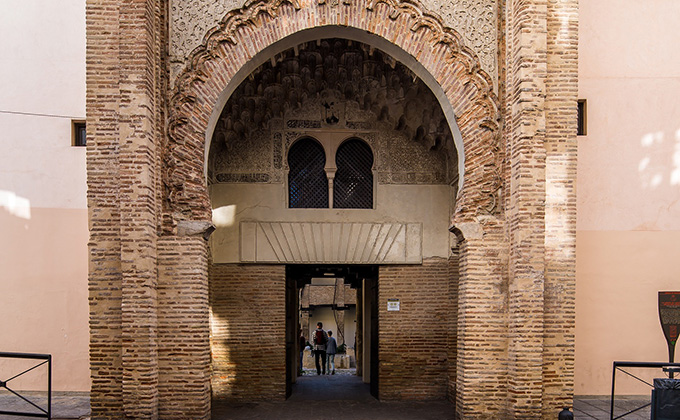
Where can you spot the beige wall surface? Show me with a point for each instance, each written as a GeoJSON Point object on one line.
{"type": "Point", "coordinates": [233, 203]}
{"type": "Point", "coordinates": [628, 229]}
{"type": "Point", "coordinates": [43, 295]}
{"type": "Point", "coordinates": [43, 216]}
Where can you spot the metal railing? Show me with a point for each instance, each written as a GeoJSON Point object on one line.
{"type": "Point", "coordinates": [46, 359]}
{"type": "Point", "coordinates": [620, 367]}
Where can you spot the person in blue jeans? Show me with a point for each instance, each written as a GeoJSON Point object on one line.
{"type": "Point", "coordinates": [320, 339]}
{"type": "Point", "coordinates": [331, 350]}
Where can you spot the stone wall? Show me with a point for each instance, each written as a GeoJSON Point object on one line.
{"type": "Point", "coordinates": [247, 325]}
{"type": "Point", "coordinates": [414, 340]}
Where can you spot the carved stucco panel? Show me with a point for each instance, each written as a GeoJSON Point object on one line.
{"type": "Point", "coordinates": [475, 20]}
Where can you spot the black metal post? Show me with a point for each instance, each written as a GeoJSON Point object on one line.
{"type": "Point", "coordinates": [49, 387]}
{"type": "Point", "coordinates": [611, 409]}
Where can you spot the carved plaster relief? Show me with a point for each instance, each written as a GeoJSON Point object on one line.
{"type": "Point", "coordinates": [331, 243]}
{"type": "Point", "coordinates": [475, 20]}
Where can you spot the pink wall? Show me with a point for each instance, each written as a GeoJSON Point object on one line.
{"type": "Point", "coordinates": [628, 230]}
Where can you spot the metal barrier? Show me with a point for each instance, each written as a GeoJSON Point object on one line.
{"type": "Point", "coordinates": [47, 359]}
{"type": "Point", "coordinates": [620, 365]}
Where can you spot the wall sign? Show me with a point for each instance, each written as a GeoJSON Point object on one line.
{"type": "Point", "coordinates": [669, 314]}
{"type": "Point", "coordinates": [392, 304]}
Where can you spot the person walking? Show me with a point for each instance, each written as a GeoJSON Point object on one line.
{"type": "Point", "coordinates": [331, 350]}
{"type": "Point", "coordinates": [320, 339]}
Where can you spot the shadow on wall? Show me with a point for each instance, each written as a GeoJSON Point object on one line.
{"type": "Point", "coordinates": [247, 332]}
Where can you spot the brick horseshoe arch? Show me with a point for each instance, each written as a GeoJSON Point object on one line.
{"type": "Point", "coordinates": [243, 33]}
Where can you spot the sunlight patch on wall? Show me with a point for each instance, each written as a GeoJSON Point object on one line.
{"type": "Point", "coordinates": [224, 216]}
{"type": "Point", "coordinates": [15, 205]}
{"type": "Point", "coordinates": [675, 172]}
{"type": "Point", "coordinates": [651, 176]}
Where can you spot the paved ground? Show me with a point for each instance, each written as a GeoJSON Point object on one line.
{"type": "Point", "coordinates": [331, 397]}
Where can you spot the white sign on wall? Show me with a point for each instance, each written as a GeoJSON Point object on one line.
{"type": "Point", "coordinates": [392, 304]}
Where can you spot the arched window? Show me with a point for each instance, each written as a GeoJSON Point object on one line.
{"type": "Point", "coordinates": [353, 186]}
{"type": "Point", "coordinates": [307, 181]}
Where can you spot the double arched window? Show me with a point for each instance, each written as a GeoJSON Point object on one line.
{"type": "Point", "coordinates": [307, 181]}
{"type": "Point", "coordinates": [353, 186]}
{"type": "Point", "coordinates": [308, 185]}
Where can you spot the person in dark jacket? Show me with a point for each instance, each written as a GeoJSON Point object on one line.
{"type": "Point", "coordinates": [320, 338]}
{"type": "Point", "coordinates": [331, 349]}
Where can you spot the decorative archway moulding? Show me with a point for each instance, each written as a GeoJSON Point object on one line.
{"type": "Point", "coordinates": [248, 36]}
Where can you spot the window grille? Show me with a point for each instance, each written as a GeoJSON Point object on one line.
{"type": "Point", "coordinates": [353, 186]}
{"type": "Point", "coordinates": [307, 181]}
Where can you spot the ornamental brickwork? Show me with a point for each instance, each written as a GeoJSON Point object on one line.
{"type": "Point", "coordinates": [504, 298]}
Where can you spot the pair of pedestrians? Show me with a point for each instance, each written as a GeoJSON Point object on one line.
{"type": "Point", "coordinates": [325, 346]}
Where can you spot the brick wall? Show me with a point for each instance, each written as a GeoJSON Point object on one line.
{"type": "Point", "coordinates": [516, 273]}
{"type": "Point", "coordinates": [452, 311]}
{"type": "Point", "coordinates": [123, 50]}
{"type": "Point", "coordinates": [247, 332]}
{"type": "Point", "coordinates": [414, 340]}
{"type": "Point", "coordinates": [482, 364]}
{"type": "Point", "coordinates": [560, 206]}
{"type": "Point", "coordinates": [183, 329]}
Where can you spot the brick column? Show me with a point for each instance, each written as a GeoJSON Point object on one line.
{"type": "Point", "coordinates": [482, 335]}
{"type": "Point", "coordinates": [526, 89]}
{"type": "Point", "coordinates": [123, 62]}
{"type": "Point", "coordinates": [340, 315]}
{"type": "Point", "coordinates": [454, 279]}
{"type": "Point", "coordinates": [138, 142]}
{"type": "Point", "coordinates": [560, 206]}
{"type": "Point", "coordinates": [183, 328]}
{"type": "Point", "coordinates": [104, 216]}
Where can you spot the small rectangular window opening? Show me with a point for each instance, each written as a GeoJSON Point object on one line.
{"type": "Point", "coordinates": [79, 134]}
{"type": "Point", "coordinates": [581, 125]}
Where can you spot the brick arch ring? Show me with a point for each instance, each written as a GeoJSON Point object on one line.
{"type": "Point", "coordinates": [247, 37]}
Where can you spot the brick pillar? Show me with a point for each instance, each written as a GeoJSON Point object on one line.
{"type": "Point", "coordinates": [560, 206]}
{"type": "Point", "coordinates": [104, 281]}
{"type": "Point", "coordinates": [123, 62]}
{"type": "Point", "coordinates": [526, 90]}
{"type": "Point", "coordinates": [340, 315]}
{"type": "Point", "coordinates": [454, 278]}
{"type": "Point", "coordinates": [482, 334]}
{"type": "Point", "coordinates": [138, 159]}
{"type": "Point", "coordinates": [183, 328]}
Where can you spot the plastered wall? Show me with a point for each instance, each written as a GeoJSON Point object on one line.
{"type": "Point", "coordinates": [43, 216]}
{"type": "Point", "coordinates": [628, 227]}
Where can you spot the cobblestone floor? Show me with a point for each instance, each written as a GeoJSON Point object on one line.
{"type": "Point", "coordinates": [338, 396]}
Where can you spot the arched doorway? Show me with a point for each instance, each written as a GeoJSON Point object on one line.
{"type": "Point", "coordinates": [331, 152]}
